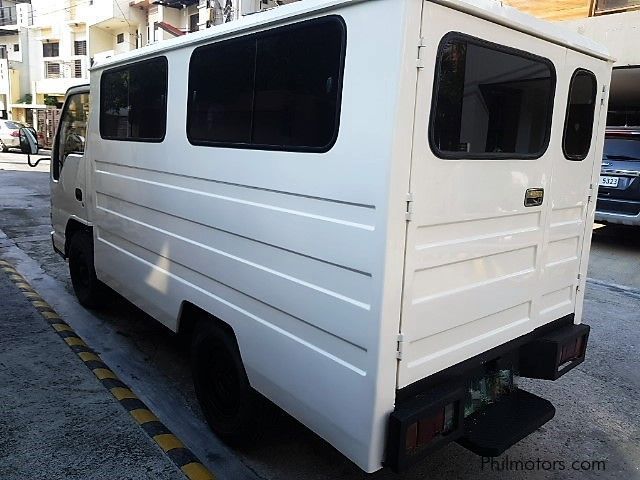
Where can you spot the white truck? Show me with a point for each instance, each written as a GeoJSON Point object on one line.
{"type": "Point", "coordinates": [376, 214]}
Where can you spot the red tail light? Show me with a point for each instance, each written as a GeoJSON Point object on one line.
{"type": "Point", "coordinates": [423, 432]}
{"type": "Point", "coordinates": [15, 133]}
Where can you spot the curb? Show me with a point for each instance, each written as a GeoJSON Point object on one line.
{"type": "Point", "coordinates": [171, 445]}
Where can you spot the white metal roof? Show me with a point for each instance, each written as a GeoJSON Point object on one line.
{"type": "Point", "coordinates": [492, 10]}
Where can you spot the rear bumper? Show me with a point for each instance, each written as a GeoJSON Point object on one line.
{"type": "Point", "coordinates": [546, 353]}
{"type": "Point", "coordinates": [621, 212]}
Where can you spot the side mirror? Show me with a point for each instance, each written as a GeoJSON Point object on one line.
{"type": "Point", "coordinates": [29, 145]}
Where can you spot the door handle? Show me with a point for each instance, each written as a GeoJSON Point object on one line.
{"type": "Point", "coordinates": [534, 197]}
{"type": "Point", "coordinates": [78, 194]}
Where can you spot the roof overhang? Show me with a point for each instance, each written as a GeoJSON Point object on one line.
{"type": "Point", "coordinates": [180, 4]}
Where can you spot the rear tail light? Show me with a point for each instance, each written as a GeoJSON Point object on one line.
{"type": "Point", "coordinates": [573, 350]}
{"type": "Point", "coordinates": [15, 133]}
{"type": "Point", "coordinates": [425, 422]}
{"type": "Point", "coordinates": [425, 431]}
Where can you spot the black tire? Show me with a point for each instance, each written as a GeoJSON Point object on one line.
{"type": "Point", "coordinates": [90, 291]}
{"type": "Point", "coordinates": [5, 149]}
{"type": "Point", "coordinates": [233, 410]}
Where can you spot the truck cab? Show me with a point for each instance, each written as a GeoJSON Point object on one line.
{"type": "Point", "coordinates": [68, 170]}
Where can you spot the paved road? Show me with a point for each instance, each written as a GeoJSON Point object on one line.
{"type": "Point", "coordinates": [597, 417]}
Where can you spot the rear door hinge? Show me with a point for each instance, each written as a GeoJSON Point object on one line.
{"type": "Point", "coordinates": [421, 45]}
{"type": "Point", "coordinates": [409, 212]}
{"type": "Point", "coordinates": [400, 351]}
{"type": "Point", "coordinates": [590, 194]}
{"type": "Point", "coordinates": [604, 94]}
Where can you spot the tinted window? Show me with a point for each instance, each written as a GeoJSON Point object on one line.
{"type": "Point", "coordinates": [580, 114]}
{"type": "Point", "coordinates": [274, 90]}
{"type": "Point", "coordinates": [133, 101]}
{"type": "Point", "coordinates": [490, 101]}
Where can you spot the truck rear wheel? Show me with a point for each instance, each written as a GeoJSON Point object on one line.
{"type": "Point", "coordinates": [90, 291]}
{"type": "Point", "coordinates": [231, 407]}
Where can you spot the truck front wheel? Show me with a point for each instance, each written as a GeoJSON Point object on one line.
{"type": "Point", "coordinates": [90, 291]}
{"type": "Point", "coordinates": [230, 406]}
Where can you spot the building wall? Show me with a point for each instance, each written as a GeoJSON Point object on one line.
{"type": "Point", "coordinates": [620, 32]}
{"type": "Point", "coordinates": [554, 9]}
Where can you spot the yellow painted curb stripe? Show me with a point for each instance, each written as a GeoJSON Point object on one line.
{"type": "Point", "coordinates": [103, 373]}
{"type": "Point", "coordinates": [197, 471]}
{"type": "Point", "coordinates": [88, 357]}
{"type": "Point", "coordinates": [168, 441]}
{"type": "Point", "coordinates": [62, 327]}
{"type": "Point", "coordinates": [142, 415]}
{"type": "Point", "coordinates": [122, 393]}
{"type": "Point", "coordinates": [75, 341]}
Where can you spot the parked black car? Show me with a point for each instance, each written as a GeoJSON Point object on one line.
{"type": "Point", "coordinates": [619, 194]}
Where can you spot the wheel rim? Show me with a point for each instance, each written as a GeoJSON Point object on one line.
{"type": "Point", "coordinates": [220, 383]}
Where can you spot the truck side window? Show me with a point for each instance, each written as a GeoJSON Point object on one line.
{"type": "Point", "coordinates": [72, 131]}
{"type": "Point", "coordinates": [276, 90]}
{"type": "Point", "coordinates": [578, 127]}
{"type": "Point", "coordinates": [133, 101]}
{"type": "Point", "coordinates": [490, 101]}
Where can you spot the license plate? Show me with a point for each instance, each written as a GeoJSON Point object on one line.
{"type": "Point", "coordinates": [609, 181]}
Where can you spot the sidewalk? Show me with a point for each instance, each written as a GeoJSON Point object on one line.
{"type": "Point", "coordinates": [56, 420]}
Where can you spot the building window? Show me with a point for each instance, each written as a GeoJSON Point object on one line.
{"type": "Point", "coordinates": [120, 38]}
{"type": "Point", "coordinates": [3, 51]}
{"type": "Point", "coordinates": [133, 101]}
{"type": "Point", "coordinates": [193, 22]}
{"type": "Point", "coordinates": [578, 128]}
{"type": "Point", "coordinates": [16, 47]}
{"type": "Point", "coordinates": [51, 70]}
{"type": "Point", "coordinates": [77, 69]}
{"type": "Point", "coordinates": [490, 101]}
{"type": "Point", "coordinates": [276, 90]}
{"type": "Point", "coordinates": [51, 49]}
{"type": "Point", "coordinates": [80, 47]}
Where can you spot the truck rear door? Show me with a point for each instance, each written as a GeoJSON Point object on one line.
{"type": "Point", "coordinates": [493, 243]}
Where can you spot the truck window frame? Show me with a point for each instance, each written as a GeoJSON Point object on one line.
{"type": "Point", "coordinates": [56, 164]}
{"type": "Point", "coordinates": [127, 66]}
{"type": "Point", "coordinates": [469, 39]}
{"type": "Point", "coordinates": [576, 73]}
{"type": "Point", "coordinates": [337, 19]}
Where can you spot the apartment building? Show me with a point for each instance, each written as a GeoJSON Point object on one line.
{"type": "Point", "coordinates": [47, 46]}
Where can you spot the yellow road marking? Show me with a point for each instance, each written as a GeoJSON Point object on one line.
{"type": "Point", "coordinates": [142, 415]}
{"type": "Point", "coordinates": [50, 315]}
{"type": "Point", "coordinates": [87, 356]}
{"type": "Point", "coordinates": [122, 393]}
{"type": "Point", "coordinates": [197, 471]}
{"type": "Point", "coordinates": [168, 441]}
{"type": "Point", "coordinates": [62, 327]}
{"type": "Point", "coordinates": [75, 341]}
{"type": "Point", "coordinates": [103, 373]}
{"type": "Point", "coordinates": [40, 303]}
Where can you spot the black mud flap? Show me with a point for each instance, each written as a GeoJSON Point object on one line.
{"type": "Point", "coordinates": [494, 429]}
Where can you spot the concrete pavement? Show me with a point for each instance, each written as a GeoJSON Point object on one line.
{"type": "Point", "coordinates": [56, 420]}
